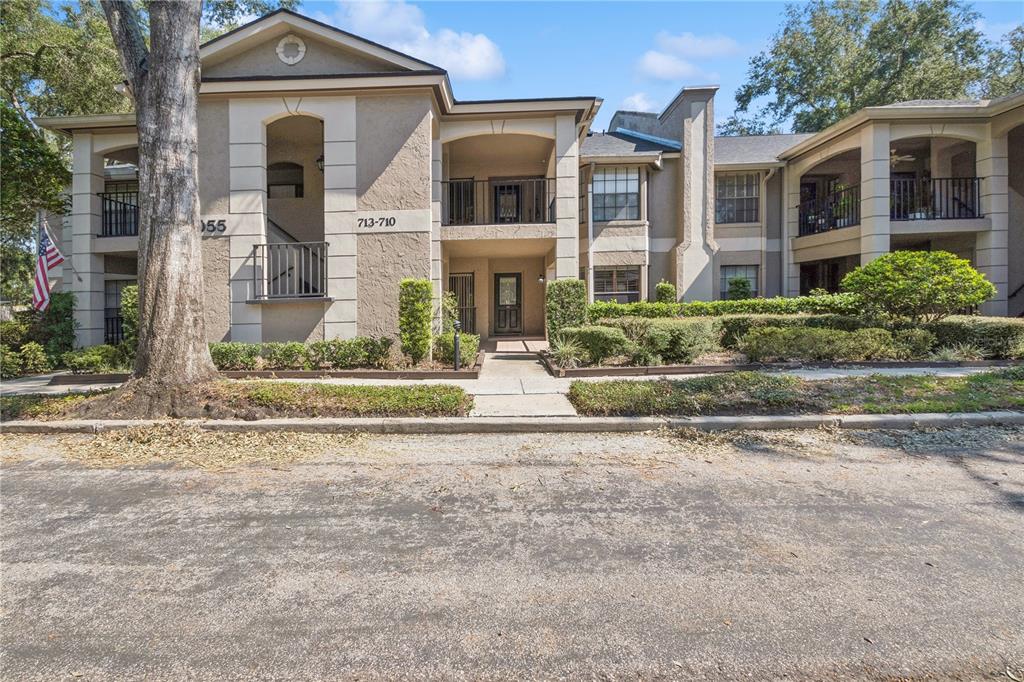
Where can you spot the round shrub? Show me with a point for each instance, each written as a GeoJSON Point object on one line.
{"type": "Point", "coordinates": [665, 292]}
{"type": "Point", "coordinates": [444, 348]}
{"type": "Point", "coordinates": [33, 359]}
{"type": "Point", "coordinates": [918, 285]}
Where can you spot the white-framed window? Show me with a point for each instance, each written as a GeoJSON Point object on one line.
{"type": "Point", "coordinates": [747, 272]}
{"type": "Point", "coordinates": [284, 180]}
{"type": "Point", "coordinates": [736, 198]}
{"type": "Point", "coordinates": [620, 283]}
{"type": "Point", "coordinates": [616, 194]}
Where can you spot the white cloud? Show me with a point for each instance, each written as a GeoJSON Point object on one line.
{"type": "Point", "coordinates": [667, 67]}
{"type": "Point", "coordinates": [402, 26]}
{"type": "Point", "coordinates": [639, 101]}
{"type": "Point", "coordinates": [697, 47]}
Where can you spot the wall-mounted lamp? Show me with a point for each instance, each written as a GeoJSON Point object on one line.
{"type": "Point", "coordinates": [320, 163]}
{"type": "Point", "coordinates": [541, 279]}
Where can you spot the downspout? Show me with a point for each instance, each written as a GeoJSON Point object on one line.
{"type": "Point", "coordinates": [764, 230]}
{"type": "Point", "coordinates": [590, 233]}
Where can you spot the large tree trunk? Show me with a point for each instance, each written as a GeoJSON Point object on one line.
{"type": "Point", "coordinates": [172, 350]}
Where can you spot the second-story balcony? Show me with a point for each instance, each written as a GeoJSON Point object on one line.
{"type": "Point", "coordinates": [909, 199]}
{"type": "Point", "coordinates": [119, 214]}
{"type": "Point", "coordinates": [504, 201]}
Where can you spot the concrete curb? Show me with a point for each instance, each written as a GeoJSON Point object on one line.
{"type": "Point", "coordinates": [453, 425]}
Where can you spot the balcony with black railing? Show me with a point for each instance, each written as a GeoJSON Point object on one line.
{"type": "Point", "coordinates": [505, 201]}
{"type": "Point", "coordinates": [289, 270]}
{"type": "Point", "coordinates": [119, 214]}
{"type": "Point", "coordinates": [934, 198]}
{"type": "Point", "coordinates": [831, 211]}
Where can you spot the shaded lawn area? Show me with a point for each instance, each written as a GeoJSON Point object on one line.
{"type": "Point", "coordinates": [265, 399]}
{"type": "Point", "coordinates": [758, 393]}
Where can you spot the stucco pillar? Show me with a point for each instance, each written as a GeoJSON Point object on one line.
{"type": "Point", "coordinates": [696, 248]}
{"type": "Point", "coordinates": [339, 116]}
{"type": "Point", "coordinates": [436, 170]}
{"type": "Point", "coordinates": [247, 156]}
{"type": "Point", "coordinates": [874, 192]}
{"type": "Point", "coordinates": [991, 246]}
{"type": "Point", "coordinates": [566, 198]}
{"type": "Point", "coordinates": [86, 272]}
{"type": "Point", "coordinates": [791, 230]}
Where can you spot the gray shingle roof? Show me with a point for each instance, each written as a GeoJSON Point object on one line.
{"type": "Point", "coordinates": [620, 144]}
{"type": "Point", "coordinates": [754, 148]}
{"type": "Point", "coordinates": [934, 103]}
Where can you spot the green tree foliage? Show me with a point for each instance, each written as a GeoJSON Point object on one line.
{"type": "Point", "coordinates": [831, 59]}
{"type": "Point", "coordinates": [34, 177]}
{"type": "Point", "coordinates": [1006, 65]}
{"type": "Point", "coordinates": [919, 286]}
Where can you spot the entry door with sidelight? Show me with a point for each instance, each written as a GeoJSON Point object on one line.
{"type": "Point", "coordinates": [508, 303]}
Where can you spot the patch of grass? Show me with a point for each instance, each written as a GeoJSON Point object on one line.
{"type": "Point", "coordinates": [286, 399]}
{"type": "Point", "coordinates": [257, 400]}
{"type": "Point", "coordinates": [757, 393]}
{"type": "Point", "coordinates": [40, 406]}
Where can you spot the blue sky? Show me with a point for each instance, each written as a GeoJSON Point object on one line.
{"type": "Point", "coordinates": [632, 54]}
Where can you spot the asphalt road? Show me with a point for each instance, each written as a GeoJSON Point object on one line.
{"type": "Point", "coordinates": [482, 557]}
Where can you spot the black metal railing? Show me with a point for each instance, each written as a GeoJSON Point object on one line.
{"type": "Point", "coordinates": [120, 214]}
{"type": "Point", "coordinates": [113, 326]}
{"type": "Point", "coordinates": [496, 202]}
{"type": "Point", "coordinates": [831, 211]}
{"type": "Point", "coordinates": [934, 198]}
{"type": "Point", "coordinates": [290, 270]}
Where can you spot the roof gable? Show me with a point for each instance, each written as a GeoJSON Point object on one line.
{"type": "Point", "coordinates": [252, 50]}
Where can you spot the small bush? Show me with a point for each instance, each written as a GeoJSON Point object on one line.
{"type": "Point", "coordinates": [565, 305]}
{"type": "Point", "coordinates": [130, 318]}
{"type": "Point", "coordinates": [33, 359]}
{"type": "Point", "coordinates": [918, 286]}
{"type": "Point", "coordinates": [687, 339]}
{"type": "Point", "coordinates": [444, 348]}
{"type": "Point", "coordinates": [913, 344]}
{"type": "Point", "coordinates": [95, 359]}
{"type": "Point", "coordinates": [290, 355]}
{"type": "Point", "coordinates": [235, 356]}
{"type": "Point", "coordinates": [995, 337]}
{"type": "Point", "coordinates": [13, 332]}
{"type": "Point", "coordinates": [566, 352]}
{"type": "Point", "coordinates": [739, 289]}
{"type": "Point", "coordinates": [414, 316]}
{"type": "Point", "coordinates": [598, 343]}
{"type": "Point", "coordinates": [959, 352]}
{"type": "Point", "coordinates": [665, 292]}
{"type": "Point", "coordinates": [734, 327]}
{"type": "Point", "coordinates": [361, 351]}
{"type": "Point", "coordinates": [10, 363]}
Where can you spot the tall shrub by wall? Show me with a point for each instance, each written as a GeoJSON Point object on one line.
{"type": "Point", "coordinates": [565, 304]}
{"type": "Point", "coordinates": [414, 316]}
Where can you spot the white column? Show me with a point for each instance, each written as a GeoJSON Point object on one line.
{"type": "Point", "coordinates": [247, 156]}
{"type": "Point", "coordinates": [339, 115]}
{"type": "Point", "coordinates": [436, 269]}
{"type": "Point", "coordinates": [874, 192]}
{"type": "Point", "coordinates": [566, 198]}
{"type": "Point", "coordinates": [991, 246]}
{"type": "Point", "coordinates": [790, 230]}
{"type": "Point", "coordinates": [86, 271]}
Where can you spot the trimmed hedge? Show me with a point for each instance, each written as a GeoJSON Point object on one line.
{"type": "Point", "coordinates": [766, 344]}
{"type": "Point", "coordinates": [95, 359]}
{"type": "Point", "coordinates": [838, 304]}
{"type": "Point", "coordinates": [565, 304]}
{"type": "Point", "coordinates": [996, 337]}
{"type": "Point", "coordinates": [358, 352]}
{"type": "Point", "coordinates": [444, 348]}
{"type": "Point", "coordinates": [734, 327]}
{"type": "Point", "coordinates": [415, 312]}
{"type": "Point", "coordinates": [599, 343]}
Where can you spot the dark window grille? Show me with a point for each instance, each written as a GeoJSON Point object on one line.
{"type": "Point", "coordinates": [620, 284]}
{"type": "Point", "coordinates": [119, 214]}
{"type": "Point", "coordinates": [498, 201]}
{"type": "Point", "coordinates": [934, 198]}
{"type": "Point", "coordinates": [830, 211]}
{"type": "Point", "coordinates": [462, 284]}
{"type": "Point", "coordinates": [290, 270]}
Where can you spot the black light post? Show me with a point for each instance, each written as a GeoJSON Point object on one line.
{"type": "Point", "coordinates": [458, 355]}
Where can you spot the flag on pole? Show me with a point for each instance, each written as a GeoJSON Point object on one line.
{"type": "Point", "coordinates": [47, 258]}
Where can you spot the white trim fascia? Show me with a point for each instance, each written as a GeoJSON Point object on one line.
{"type": "Point", "coordinates": [749, 166]}
{"type": "Point", "coordinates": [273, 86]}
{"type": "Point", "coordinates": [653, 160]}
{"type": "Point", "coordinates": [253, 31]}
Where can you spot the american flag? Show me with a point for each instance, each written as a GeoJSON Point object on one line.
{"type": "Point", "coordinates": [47, 257]}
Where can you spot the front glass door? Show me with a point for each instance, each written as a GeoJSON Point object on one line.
{"type": "Point", "coordinates": [508, 303]}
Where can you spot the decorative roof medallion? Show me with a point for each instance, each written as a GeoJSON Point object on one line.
{"type": "Point", "coordinates": [291, 49]}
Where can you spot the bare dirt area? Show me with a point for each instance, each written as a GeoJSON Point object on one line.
{"type": "Point", "coordinates": [684, 555]}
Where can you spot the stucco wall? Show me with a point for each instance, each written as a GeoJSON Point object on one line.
{"type": "Point", "coordinates": [663, 202]}
{"type": "Point", "coordinates": [393, 152]}
{"type": "Point", "coordinates": [319, 59]}
{"type": "Point", "coordinates": [1015, 163]}
{"type": "Point", "coordinates": [293, 322]}
{"type": "Point", "coordinates": [216, 302]}
{"type": "Point", "coordinates": [384, 260]}
{"type": "Point", "coordinates": [214, 175]}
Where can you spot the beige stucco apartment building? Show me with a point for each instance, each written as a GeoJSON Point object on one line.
{"type": "Point", "coordinates": [331, 167]}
